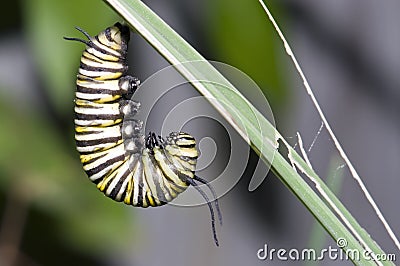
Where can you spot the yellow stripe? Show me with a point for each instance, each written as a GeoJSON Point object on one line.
{"type": "Point", "coordinates": [129, 191]}
{"type": "Point", "coordinates": [109, 98]}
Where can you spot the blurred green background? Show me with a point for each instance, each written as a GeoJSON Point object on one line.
{"type": "Point", "coordinates": [45, 195]}
{"type": "Point", "coordinates": [51, 214]}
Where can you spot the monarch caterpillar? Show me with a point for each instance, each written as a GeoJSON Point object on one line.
{"type": "Point", "coordinates": [123, 163]}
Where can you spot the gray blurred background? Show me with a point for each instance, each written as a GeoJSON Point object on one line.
{"type": "Point", "coordinates": [50, 213]}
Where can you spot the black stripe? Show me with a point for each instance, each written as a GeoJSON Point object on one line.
{"type": "Point", "coordinates": [98, 180]}
{"type": "Point", "coordinates": [90, 117]}
{"type": "Point", "coordinates": [104, 165]}
{"type": "Point", "coordinates": [85, 143]}
{"type": "Point", "coordinates": [96, 103]}
{"type": "Point", "coordinates": [96, 91]}
{"type": "Point", "coordinates": [186, 137]}
{"type": "Point", "coordinates": [118, 186]}
{"type": "Point", "coordinates": [89, 132]}
{"type": "Point", "coordinates": [123, 195]}
{"type": "Point", "coordinates": [84, 66]}
{"type": "Point", "coordinates": [148, 199]}
{"type": "Point", "coordinates": [188, 146]}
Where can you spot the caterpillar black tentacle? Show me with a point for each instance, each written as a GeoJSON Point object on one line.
{"type": "Point", "coordinates": [204, 195]}
{"type": "Point", "coordinates": [201, 180]}
{"type": "Point", "coordinates": [125, 164]}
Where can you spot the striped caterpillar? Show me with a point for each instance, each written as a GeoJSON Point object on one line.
{"type": "Point", "coordinates": [116, 155]}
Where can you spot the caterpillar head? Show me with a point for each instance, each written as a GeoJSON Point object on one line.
{"type": "Point", "coordinates": [112, 41]}
{"type": "Point", "coordinates": [116, 37]}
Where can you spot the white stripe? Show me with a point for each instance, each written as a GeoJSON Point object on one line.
{"type": "Point", "coordinates": [106, 109]}
{"type": "Point", "coordinates": [93, 73]}
{"type": "Point", "coordinates": [107, 84]}
{"type": "Point", "coordinates": [96, 122]}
